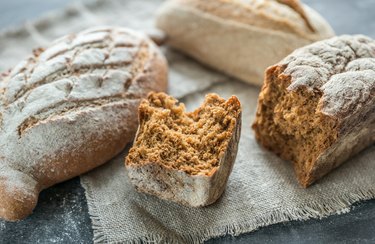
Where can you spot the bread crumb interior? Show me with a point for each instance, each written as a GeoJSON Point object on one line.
{"type": "Point", "coordinates": [290, 123]}
{"type": "Point", "coordinates": [192, 142]}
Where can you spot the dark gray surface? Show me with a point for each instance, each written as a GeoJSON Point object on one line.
{"type": "Point", "coordinates": [358, 226]}
{"type": "Point", "coordinates": [61, 215]}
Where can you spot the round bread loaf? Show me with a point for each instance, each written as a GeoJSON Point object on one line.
{"type": "Point", "coordinates": [70, 108]}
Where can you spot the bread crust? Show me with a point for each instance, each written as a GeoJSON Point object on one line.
{"type": "Point", "coordinates": [179, 186]}
{"type": "Point", "coordinates": [241, 47]}
{"type": "Point", "coordinates": [70, 108]}
{"type": "Point", "coordinates": [339, 73]}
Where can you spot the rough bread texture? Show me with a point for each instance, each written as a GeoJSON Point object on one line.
{"type": "Point", "coordinates": [71, 107]}
{"type": "Point", "coordinates": [240, 37]}
{"type": "Point", "coordinates": [185, 157]}
{"type": "Point", "coordinates": [317, 106]}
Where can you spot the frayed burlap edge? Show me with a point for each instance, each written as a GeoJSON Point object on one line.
{"type": "Point", "coordinates": [96, 223]}
{"type": "Point", "coordinates": [312, 210]}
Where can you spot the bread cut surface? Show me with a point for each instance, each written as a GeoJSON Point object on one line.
{"type": "Point", "coordinates": [71, 107]}
{"type": "Point", "coordinates": [184, 156]}
{"type": "Point", "coordinates": [317, 106]}
{"type": "Point", "coordinates": [240, 37]}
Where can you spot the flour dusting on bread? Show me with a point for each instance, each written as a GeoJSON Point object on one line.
{"type": "Point", "coordinates": [72, 106]}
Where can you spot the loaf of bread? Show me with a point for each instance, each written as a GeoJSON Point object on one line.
{"type": "Point", "coordinates": [71, 107]}
{"type": "Point", "coordinates": [240, 37]}
{"type": "Point", "coordinates": [317, 106]}
{"type": "Point", "coordinates": [185, 157]}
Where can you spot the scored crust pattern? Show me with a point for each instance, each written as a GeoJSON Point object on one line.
{"type": "Point", "coordinates": [71, 107]}
{"type": "Point", "coordinates": [98, 62]}
{"type": "Point", "coordinates": [279, 15]}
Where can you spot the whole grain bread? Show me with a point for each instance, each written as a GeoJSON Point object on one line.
{"type": "Point", "coordinates": [71, 107]}
{"type": "Point", "coordinates": [240, 37]}
{"type": "Point", "coordinates": [317, 106]}
{"type": "Point", "coordinates": [185, 157]}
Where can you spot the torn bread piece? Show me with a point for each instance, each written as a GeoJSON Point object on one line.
{"type": "Point", "coordinates": [317, 106]}
{"type": "Point", "coordinates": [185, 157]}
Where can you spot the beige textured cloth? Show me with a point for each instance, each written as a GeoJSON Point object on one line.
{"type": "Point", "coordinates": [262, 189]}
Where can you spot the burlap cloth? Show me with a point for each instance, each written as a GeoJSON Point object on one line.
{"type": "Point", "coordinates": [262, 189]}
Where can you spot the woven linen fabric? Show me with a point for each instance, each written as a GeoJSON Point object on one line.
{"type": "Point", "coordinates": [262, 188]}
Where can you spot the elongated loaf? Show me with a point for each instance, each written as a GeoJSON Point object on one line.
{"type": "Point", "coordinates": [185, 157]}
{"type": "Point", "coordinates": [317, 106]}
{"type": "Point", "coordinates": [70, 108]}
{"type": "Point", "coordinates": [240, 37]}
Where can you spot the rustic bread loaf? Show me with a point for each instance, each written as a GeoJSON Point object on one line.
{"type": "Point", "coordinates": [240, 37]}
{"type": "Point", "coordinates": [317, 106]}
{"type": "Point", "coordinates": [185, 157]}
{"type": "Point", "coordinates": [70, 108]}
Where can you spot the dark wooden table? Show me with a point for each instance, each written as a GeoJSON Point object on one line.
{"type": "Point", "coordinates": [62, 214]}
